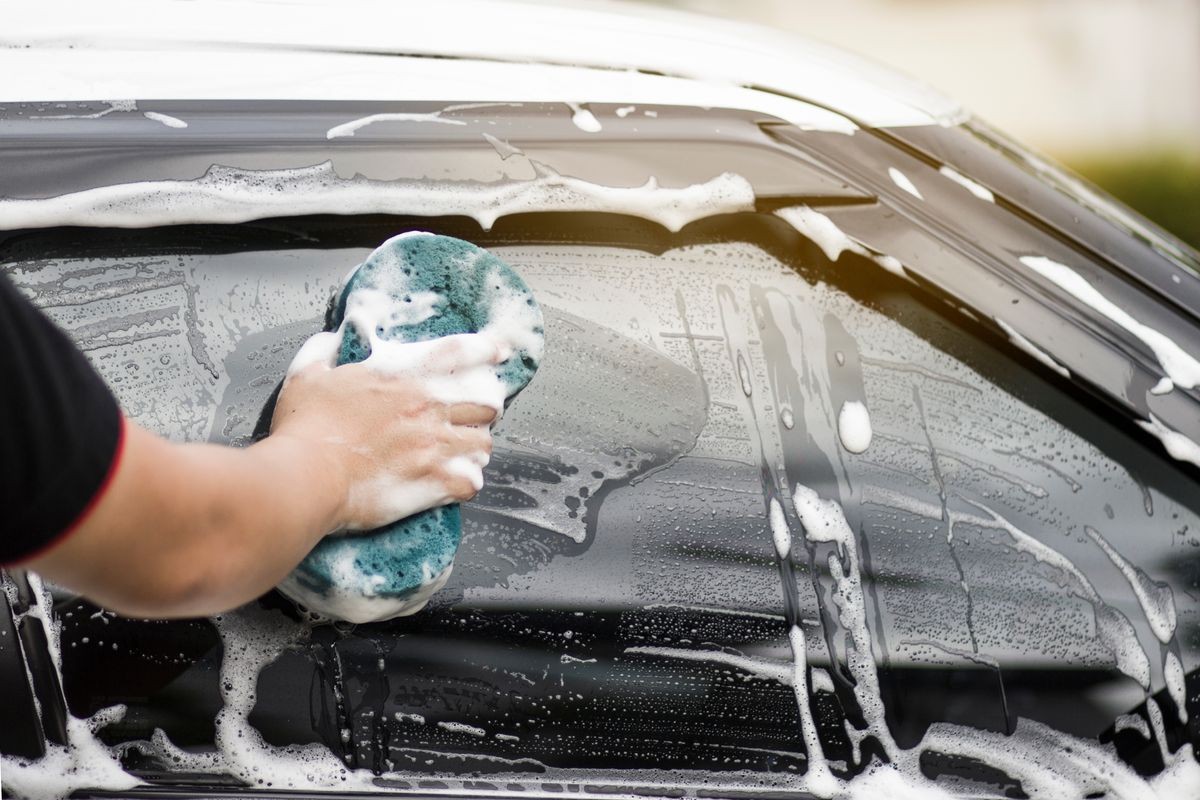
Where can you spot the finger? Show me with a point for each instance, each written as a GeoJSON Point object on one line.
{"type": "Point", "coordinates": [471, 414]}
{"type": "Point", "coordinates": [462, 474]}
{"type": "Point", "coordinates": [463, 351]}
{"type": "Point", "coordinates": [473, 444]}
{"type": "Point", "coordinates": [462, 489]}
{"type": "Point", "coordinates": [477, 386]}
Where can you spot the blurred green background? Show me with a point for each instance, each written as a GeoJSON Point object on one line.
{"type": "Point", "coordinates": [1109, 88]}
{"type": "Point", "coordinates": [1162, 184]}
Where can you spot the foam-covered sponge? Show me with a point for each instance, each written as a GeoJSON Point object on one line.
{"type": "Point", "coordinates": [420, 286]}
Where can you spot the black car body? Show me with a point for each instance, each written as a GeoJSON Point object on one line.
{"type": "Point", "coordinates": [687, 575]}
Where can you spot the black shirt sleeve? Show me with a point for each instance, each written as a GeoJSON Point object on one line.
{"type": "Point", "coordinates": [61, 430]}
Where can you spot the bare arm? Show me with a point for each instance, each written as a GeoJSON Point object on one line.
{"type": "Point", "coordinates": [192, 529]}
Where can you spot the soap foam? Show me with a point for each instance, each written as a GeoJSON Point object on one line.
{"type": "Point", "coordinates": [351, 127]}
{"type": "Point", "coordinates": [584, 119]}
{"type": "Point", "coordinates": [854, 426]}
{"type": "Point", "coordinates": [124, 106]}
{"type": "Point", "coordinates": [982, 192]}
{"type": "Point", "coordinates": [824, 521]}
{"type": "Point", "coordinates": [84, 762]}
{"type": "Point", "coordinates": [902, 180]}
{"type": "Point", "coordinates": [165, 119]}
{"type": "Point", "coordinates": [1113, 629]}
{"type": "Point", "coordinates": [1156, 599]}
{"type": "Point", "coordinates": [1031, 349]}
{"type": "Point", "coordinates": [779, 531]}
{"type": "Point", "coordinates": [817, 778]}
{"type": "Point", "coordinates": [1182, 368]}
{"type": "Point", "coordinates": [1178, 446]}
{"type": "Point", "coordinates": [359, 607]}
{"type": "Point", "coordinates": [826, 235]}
{"type": "Point", "coordinates": [227, 195]}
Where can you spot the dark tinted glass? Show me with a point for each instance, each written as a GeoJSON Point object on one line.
{"type": "Point", "coordinates": [1000, 562]}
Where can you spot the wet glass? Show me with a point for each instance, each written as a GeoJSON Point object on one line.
{"type": "Point", "coordinates": [685, 563]}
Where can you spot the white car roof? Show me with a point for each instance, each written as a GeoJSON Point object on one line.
{"type": "Point", "coordinates": [520, 50]}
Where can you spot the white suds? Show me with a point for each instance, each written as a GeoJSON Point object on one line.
{"type": "Point", "coordinates": [824, 233]}
{"type": "Point", "coordinates": [883, 782]}
{"type": "Point", "coordinates": [584, 120]}
{"type": "Point", "coordinates": [1178, 446]}
{"type": "Point", "coordinates": [349, 128]}
{"type": "Point", "coordinates": [854, 426]}
{"type": "Point", "coordinates": [1174, 677]}
{"type": "Point", "coordinates": [779, 531]}
{"type": "Point", "coordinates": [355, 606]}
{"type": "Point", "coordinates": [818, 780]}
{"type": "Point", "coordinates": [901, 180]}
{"type": "Point", "coordinates": [503, 149]}
{"type": "Point", "coordinates": [1031, 349]}
{"type": "Point", "coordinates": [169, 121]}
{"type": "Point", "coordinates": [460, 727]}
{"type": "Point", "coordinates": [1164, 386]}
{"type": "Point", "coordinates": [1182, 368]}
{"type": "Point", "coordinates": [126, 106]}
{"type": "Point", "coordinates": [824, 521]}
{"type": "Point", "coordinates": [1156, 599]}
{"type": "Point", "coordinates": [1113, 629]}
{"type": "Point", "coordinates": [625, 111]}
{"type": "Point", "coordinates": [982, 192]}
{"type": "Point", "coordinates": [251, 639]}
{"type": "Point", "coordinates": [832, 241]}
{"type": "Point", "coordinates": [84, 762]}
{"type": "Point", "coordinates": [821, 682]}
{"type": "Point", "coordinates": [787, 417]}
{"type": "Point", "coordinates": [1133, 722]}
{"type": "Point", "coordinates": [226, 195]}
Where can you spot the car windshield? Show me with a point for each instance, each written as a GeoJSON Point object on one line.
{"type": "Point", "coordinates": [761, 521]}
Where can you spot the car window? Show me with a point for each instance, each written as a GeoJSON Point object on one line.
{"type": "Point", "coordinates": [759, 520]}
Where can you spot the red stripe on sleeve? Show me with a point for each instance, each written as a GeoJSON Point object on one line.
{"type": "Point", "coordinates": [86, 511]}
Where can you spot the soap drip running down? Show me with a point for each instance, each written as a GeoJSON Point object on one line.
{"type": "Point", "coordinates": [413, 288]}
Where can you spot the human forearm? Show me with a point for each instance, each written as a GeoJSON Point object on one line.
{"type": "Point", "coordinates": [191, 529]}
{"type": "Point", "coordinates": [246, 518]}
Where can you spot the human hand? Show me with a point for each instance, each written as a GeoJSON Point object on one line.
{"type": "Point", "coordinates": [401, 432]}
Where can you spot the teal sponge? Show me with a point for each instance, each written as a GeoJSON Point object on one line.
{"type": "Point", "coordinates": [424, 286]}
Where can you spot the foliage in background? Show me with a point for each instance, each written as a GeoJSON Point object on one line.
{"type": "Point", "coordinates": [1162, 186]}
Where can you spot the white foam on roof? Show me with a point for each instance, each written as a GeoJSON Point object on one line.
{"type": "Point", "coordinates": [904, 182]}
{"type": "Point", "coordinates": [349, 128]}
{"type": "Point", "coordinates": [341, 40]}
{"type": "Point", "coordinates": [1178, 446]}
{"type": "Point", "coordinates": [980, 191]}
{"type": "Point", "coordinates": [832, 240]}
{"type": "Point", "coordinates": [1031, 349]}
{"type": "Point", "coordinates": [584, 119]}
{"type": "Point", "coordinates": [165, 119]}
{"type": "Point", "coordinates": [229, 195]}
{"type": "Point", "coordinates": [1181, 367]}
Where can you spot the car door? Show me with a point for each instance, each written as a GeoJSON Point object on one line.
{"type": "Point", "coordinates": [789, 499]}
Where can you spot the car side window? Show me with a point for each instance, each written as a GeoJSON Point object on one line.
{"type": "Point", "coordinates": [757, 516]}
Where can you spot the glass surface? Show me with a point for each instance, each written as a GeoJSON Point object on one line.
{"type": "Point", "coordinates": [619, 614]}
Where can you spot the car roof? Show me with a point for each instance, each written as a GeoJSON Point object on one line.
{"type": "Point", "coordinates": [520, 49]}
